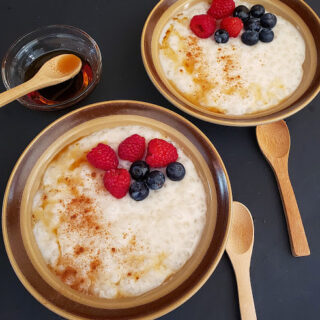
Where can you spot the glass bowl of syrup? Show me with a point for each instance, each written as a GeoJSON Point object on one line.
{"type": "Point", "coordinates": [30, 52]}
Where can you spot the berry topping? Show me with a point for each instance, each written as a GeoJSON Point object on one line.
{"type": "Point", "coordinates": [139, 170]}
{"type": "Point", "coordinates": [117, 182]}
{"type": "Point", "coordinates": [160, 153]}
{"type": "Point", "coordinates": [103, 157]}
{"type": "Point", "coordinates": [268, 20]}
{"type": "Point", "coordinates": [175, 171]}
{"type": "Point", "coordinates": [138, 190]}
{"type": "Point", "coordinates": [253, 24]}
{"type": "Point", "coordinates": [221, 36]}
{"type": "Point", "coordinates": [132, 148]}
{"type": "Point", "coordinates": [232, 25]}
{"type": "Point", "coordinates": [266, 35]}
{"type": "Point", "coordinates": [250, 37]}
{"type": "Point", "coordinates": [221, 8]}
{"type": "Point", "coordinates": [155, 180]}
{"type": "Point", "coordinates": [257, 11]}
{"type": "Point", "coordinates": [241, 12]}
{"type": "Point", "coordinates": [203, 25]}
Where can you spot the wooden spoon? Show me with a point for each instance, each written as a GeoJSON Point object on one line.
{"type": "Point", "coordinates": [274, 142]}
{"type": "Point", "coordinates": [239, 248]}
{"type": "Point", "coordinates": [56, 70]}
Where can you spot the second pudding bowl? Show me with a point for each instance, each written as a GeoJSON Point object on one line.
{"type": "Point", "coordinates": [299, 14]}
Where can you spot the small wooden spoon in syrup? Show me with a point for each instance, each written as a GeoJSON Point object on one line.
{"type": "Point", "coordinates": [58, 69]}
{"type": "Point", "coordinates": [274, 142]}
{"type": "Point", "coordinates": [239, 249]}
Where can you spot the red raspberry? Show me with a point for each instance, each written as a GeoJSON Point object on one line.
{"type": "Point", "coordinates": [103, 157]}
{"type": "Point", "coordinates": [203, 25]}
{"type": "Point", "coordinates": [160, 153]}
{"type": "Point", "coordinates": [232, 25]}
{"type": "Point", "coordinates": [117, 182]}
{"type": "Point", "coordinates": [221, 8]}
{"type": "Point", "coordinates": [132, 148]}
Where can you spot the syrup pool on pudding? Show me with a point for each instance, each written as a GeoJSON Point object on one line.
{"type": "Point", "coordinates": [108, 247]}
{"type": "Point", "coordinates": [231, 78]}
{"type": "Point", "coordinates": [63, 91]}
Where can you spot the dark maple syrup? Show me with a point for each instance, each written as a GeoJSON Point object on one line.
{"type": "Point", "coordinates": [63, 91]}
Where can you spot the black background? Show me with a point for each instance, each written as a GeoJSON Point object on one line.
{"type": "Point", "coordinates": [284, 287]}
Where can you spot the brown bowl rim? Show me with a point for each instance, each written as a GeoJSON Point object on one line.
{"type": "Point", "coordinates": [190, 291]}
{"type": "Point", "coordinates": [239, 122]}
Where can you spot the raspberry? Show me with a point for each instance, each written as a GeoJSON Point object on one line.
{"type": "Point", "coordinates": [160, 153]}
{"type": "Point", "coordinates": [203, 25]}
{"type": "Point", "coordinates": [232, 25]}
{"type": "Point", "coordinates": [221, 8]}
{"type": "Point", "coordinates": [103, 157]}
{"type": "Point", "coordinates": [117, 182]}
{"type": "Point", "coordinates": [132, 148]}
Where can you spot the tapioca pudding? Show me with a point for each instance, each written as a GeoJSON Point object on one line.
{"type": "Point", "coordinates": [231, 78]}
{"type": "Point", "coordinates": [109, 247]}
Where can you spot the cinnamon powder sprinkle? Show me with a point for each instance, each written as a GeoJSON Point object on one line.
{"type": "Point", "coordinates": [193, 60]}
{"type": "Point", "coordinates": [78, 250]}
{"type": "Point", "coordinates": [95, 264]}
{"type": "Point", "coordinates": [78, 216]}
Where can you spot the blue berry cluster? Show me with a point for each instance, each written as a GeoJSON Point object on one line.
{"type": "Point", "coordinates": [257, 24]}
{"type": "Point", "coordinates": [144, 179]}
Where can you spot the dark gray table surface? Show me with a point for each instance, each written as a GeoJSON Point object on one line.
{"type": "Point", "coordinates": [284, 287]}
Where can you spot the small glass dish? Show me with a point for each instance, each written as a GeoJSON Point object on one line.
{"type": "Point", "coordinates": [41, 41]}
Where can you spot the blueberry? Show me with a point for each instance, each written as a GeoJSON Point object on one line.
{"type": "Point", "coordinates": [221, 36]}
{"type": "Point", "coordinates": [268, 20]}
{"type": "Point", "coordinates": [175, 171]}
{"type": "Point", "coordinates": [266, 35]}
{"type": "Point", "coordinates": [139, 170]}
{"type": "Point", "coordinates": [252, 24]}
{"type": "Point", "coordinates": [250, 37]}
{"type": "Point", "coordinates": [257, 11]}
{"type": "Point", "coordinates": [138, 190]}
{"type": "Point", "coordinates": [241, 12]}
{"type": "Point", "coordinates": [155, 180]}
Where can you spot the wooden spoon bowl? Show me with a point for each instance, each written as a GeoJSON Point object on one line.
{"type": "Point", "coordinates": [58, 69]}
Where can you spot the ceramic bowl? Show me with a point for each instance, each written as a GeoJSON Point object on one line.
{"type": "Point", "coordinates": [296, 12]}
{"type": "Point", "coordinates": [23, 251]}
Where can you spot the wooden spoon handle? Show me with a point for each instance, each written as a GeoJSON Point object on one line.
{"type": "Point", "coordinates": [17, 92]}
{"type": "Point", "coordinates": [246, 302]}
{"type": "Point", "coordinates": [297, 235]}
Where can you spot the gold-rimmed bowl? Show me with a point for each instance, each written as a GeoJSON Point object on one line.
{"type": "Point", "coordinates": [296, 12]}
{"type": "Point", "coordinates": [20, 244]}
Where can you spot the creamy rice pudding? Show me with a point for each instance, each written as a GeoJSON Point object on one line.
{"type": "Point", "coordinates": [231, 78]}
{"type": "Point", "coordinates": [110, 247]}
